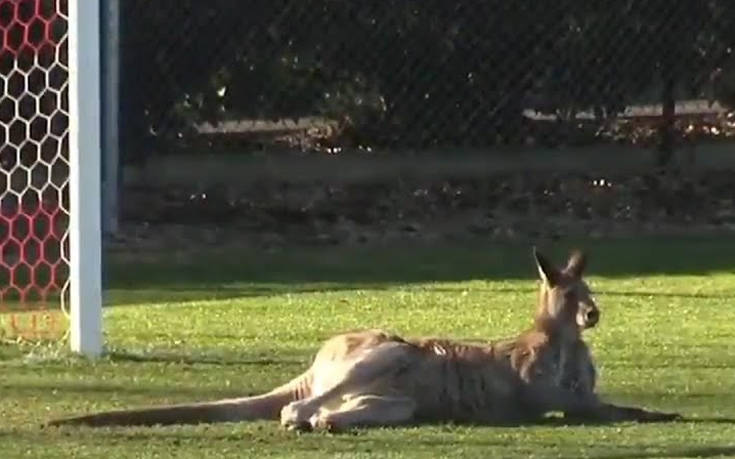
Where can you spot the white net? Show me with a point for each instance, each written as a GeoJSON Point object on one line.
{"type": "Point", "coordinates": [34, 173]}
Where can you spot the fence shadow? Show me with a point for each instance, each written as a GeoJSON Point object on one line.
{"type": "Point", "coordinates": [705, 451]}
{"type": "Point", "coordinates": [188, 359]}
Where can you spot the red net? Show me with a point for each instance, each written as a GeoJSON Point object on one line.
{"type": "Point", "coordinates": [34, 169]}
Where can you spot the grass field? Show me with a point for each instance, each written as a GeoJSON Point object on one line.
{"type": "Point", "coordinates": [237, 323]}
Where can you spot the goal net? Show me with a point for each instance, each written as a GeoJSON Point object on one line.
{"type": "Point", "coordinates": [34, 129]}
{"type": "Point", "coordinates": [36, 167]}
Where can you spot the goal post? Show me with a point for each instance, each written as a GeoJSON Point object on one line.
{"type": "Point", "coordinates": [85, 230]}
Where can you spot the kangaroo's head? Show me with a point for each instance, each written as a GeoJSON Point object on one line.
{"type": "Point", "coordinates": [565, 300]}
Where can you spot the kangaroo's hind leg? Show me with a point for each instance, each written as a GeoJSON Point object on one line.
{"type": "Point", "coordinates": [357, 377]}
{"type": "Point", "coordinates": [366, 410]}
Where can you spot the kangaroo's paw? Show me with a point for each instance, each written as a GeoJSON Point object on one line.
{"type": "Point", "coordinates": [326, 421]}
{"type": "Point", "coordinates": [643, 415]}
{"type": "Point", "coordinates": [295, 416]}
{"type": "Point", "coordinates": [656, 416]}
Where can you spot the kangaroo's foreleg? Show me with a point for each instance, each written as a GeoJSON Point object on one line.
{"type": "Point", "coordinates": [581, 379]}
{"type": "Point", "coordinates": [607, 412]}
{"type": "Point", "coordinates": [541, 397]}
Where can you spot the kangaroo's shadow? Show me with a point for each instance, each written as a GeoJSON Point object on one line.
{"type": "Point", "coordinates": [709, 420]}
{"type": "Point", "coordinates": [704, 451]}
{"type": "Point", "coordinates": [562, 421]}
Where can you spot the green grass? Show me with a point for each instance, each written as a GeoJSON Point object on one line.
{"type": "Point", "coordinates": [238, 323]}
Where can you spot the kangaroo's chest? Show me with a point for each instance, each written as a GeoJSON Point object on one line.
{"type": "Point", "coordinates": [556, 366]}
{"type": "Point", "coordinates": [564, 368]}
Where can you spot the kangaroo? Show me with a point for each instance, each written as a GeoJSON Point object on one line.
{"type": "Point", "coordinates": [375, 378]}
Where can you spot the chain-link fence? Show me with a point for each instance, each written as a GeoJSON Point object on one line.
{"type": "Point", "coordinates": [415, 74]}
{"type": "Point", "coordinates": [501, 81]}
{"type": "Point", "coordinates": [475, 89]}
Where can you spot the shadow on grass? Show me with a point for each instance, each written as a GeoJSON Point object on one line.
{"type": "Point", "coordinates": [122, 356]}
{"type": "Point", "coordinates": [346, 442]}
{"type": "Point", "coordinates": [248, 273]}
{"type": "Point", "coordinates": [704, 451]}
{"type": "Point", "coordinates": [710, 420]}
{"type": "Point", "coordinates": [149, 391]}
{"type": "Point", "coordinates": [174, 293]}
{"type": "Point", "coordinates": [351, 443]}
{"type": "Point", "coordinates": [682, 364]}
{"type": "Point", "coordinates": [554, 421]}
{"type": "Point", "coordinates": [355, 440]}
{"type": "Point", "coordinates": [634, 294]}
{"type": "Point", "coordinates": [701, 296]}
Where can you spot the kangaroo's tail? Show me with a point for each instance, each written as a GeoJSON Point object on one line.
{"type": "Point", "coordinates": [266, 406]}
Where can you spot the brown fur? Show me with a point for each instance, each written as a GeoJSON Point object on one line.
{"type": "Point", "coordinates": [371, 377]}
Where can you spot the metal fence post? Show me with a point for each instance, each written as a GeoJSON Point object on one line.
{"type": "Point", "coordinates": [110, 42]}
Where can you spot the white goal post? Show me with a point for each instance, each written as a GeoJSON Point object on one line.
{"type": "Point", "coordinates": [85, 231]}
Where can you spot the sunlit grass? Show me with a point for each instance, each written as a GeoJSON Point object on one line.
{"type": "Point", "coordinates": [241, 324]}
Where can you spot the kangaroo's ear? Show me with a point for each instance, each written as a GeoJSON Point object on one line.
{"type": "Point", "coordinates": [576, 264]}
{"type": "Point", "coordinates": [548, 273]}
